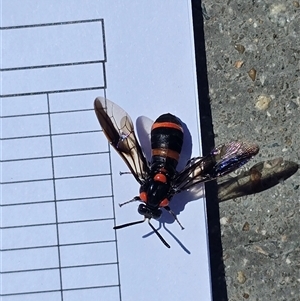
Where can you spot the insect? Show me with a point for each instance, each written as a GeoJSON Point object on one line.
{"type": "Point", "coordinates": [159, 179]}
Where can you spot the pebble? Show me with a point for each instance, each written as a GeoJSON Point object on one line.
{"type": "Point", "coordinates": [263, 102]}
{"type": "Point", "coordinates": [246, 227]}
{"type": "Point", "coordinates": [252, 74]}
{"type": "Point", "coordinates": [224, 220]}
{"type": "Point", "coordinates": [238, 64]}
{"type": "Point", "coordinates": [241, 277]}
{"type": "Point", "coordinates": [296, 4]}
{"type": "Point", "coordinates": [240, 48]}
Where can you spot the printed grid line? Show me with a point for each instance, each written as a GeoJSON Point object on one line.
{"type": "Point", "coordinates": [73, 63]}
{"type": "Point", "coordinates": [60, 245]}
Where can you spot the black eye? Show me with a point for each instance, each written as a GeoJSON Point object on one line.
{"type": "Point", "coordinates": [156, 214]}
{"type": "Point", "coordinates": [149, 212]}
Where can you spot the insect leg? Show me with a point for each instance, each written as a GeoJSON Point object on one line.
{"type": "Point", "coordinates": [136, 198]}
{"type": "Point", "coordinates": [174, 215]}
{"type": "Point", "coordinates": [157, 233]}
{"type": "Point", "coordinates": [129, 224]}
{"type": "Point", "coordinates": [125, 173]}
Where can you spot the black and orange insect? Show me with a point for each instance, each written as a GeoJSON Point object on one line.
{"type": "Point", "coordinates": [159, 179]}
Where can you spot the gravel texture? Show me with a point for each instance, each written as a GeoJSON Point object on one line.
{"type": "Point", "coordinates": [252, 53]}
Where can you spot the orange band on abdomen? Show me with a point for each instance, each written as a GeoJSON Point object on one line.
{"type": "Point", "coordinates": [167, 153]}
{"type": "Point", "coordinates": [166, 125]}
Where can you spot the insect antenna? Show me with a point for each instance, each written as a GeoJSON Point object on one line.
{"type": "Point", "coordinates": [157, 233]}
{"type": "Point", "coordinates": [129, 224]}
{"type": "Point", "coordinates": [136, 198]}
{"type": "Point", "coordinates": [174, 215]}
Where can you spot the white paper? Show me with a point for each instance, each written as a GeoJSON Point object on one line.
{"type": "Point", "coordinates": [60, 178]}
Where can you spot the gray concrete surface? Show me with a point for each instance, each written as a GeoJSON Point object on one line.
{"type": "Point", "coordinates": [260, 232]}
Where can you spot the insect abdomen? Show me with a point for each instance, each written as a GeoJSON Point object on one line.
{"type": "Point", "coordinates": [166, 141]}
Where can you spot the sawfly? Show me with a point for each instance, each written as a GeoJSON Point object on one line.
{"type": "Point", "coordinates": [159, 180]}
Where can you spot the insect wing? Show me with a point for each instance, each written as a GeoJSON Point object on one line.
{"type": "Point", "coordinates": [191, 175]}
{"type": "Point", "coordinates": [144, 125]}
{"type": "Point", "coordinates": [221, 161]}
{"type": "Point", "coordinates": [232, 156]}
{"type": "Point", "coordinates": [118, 129]}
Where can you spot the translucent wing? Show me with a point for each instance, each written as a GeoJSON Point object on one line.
{"type": "Point", "coordinates": [143, 125]}
{"type": "Point", "coordinates": [221, 161]}
{"type": "Point", "coordinates": [118, 129]}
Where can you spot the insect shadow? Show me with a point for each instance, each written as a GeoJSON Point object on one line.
{"type": "Point", "coordinates": [260, 177]}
